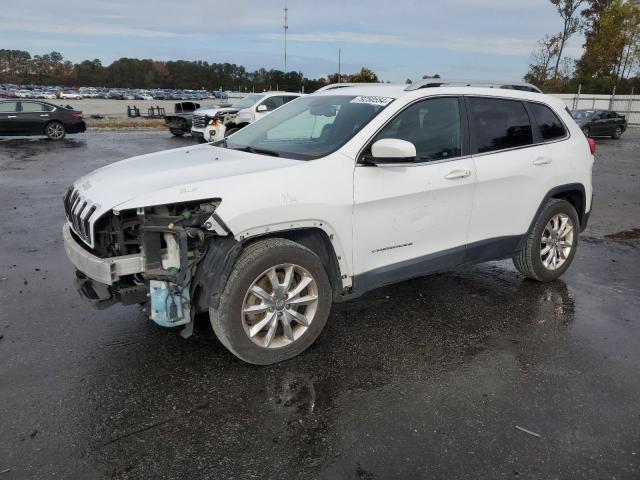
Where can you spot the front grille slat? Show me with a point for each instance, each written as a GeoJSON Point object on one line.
{"type": "Point", "coordinates": [199, 121]}
{"type": "Point", "coordinates": [79, 211]}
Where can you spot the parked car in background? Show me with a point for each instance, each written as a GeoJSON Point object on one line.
{"type": "Point", "coordinates": [218, 123]}
{"type": "Point", "coordinates": [330, 196]}
{"type": "Point", "coordinates": [6, 94]}
{"type": "Point", "coordinates": [600, 123]}
{"type": "Point", "coordinates": [32, 117]}
{"type": "Point", "coordinates": [69, 95]}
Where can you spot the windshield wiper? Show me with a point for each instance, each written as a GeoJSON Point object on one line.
{"type": "Point", "coordinates": [260, 151]}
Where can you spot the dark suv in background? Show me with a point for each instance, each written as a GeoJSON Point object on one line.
{"type": "Point", "coordinates": [30, 117]}
{"type": "Point", "coordinates": [600, 123]}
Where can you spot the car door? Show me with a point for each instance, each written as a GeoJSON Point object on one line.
{"type": "Point", "coordinates": [271, 103]}
{"type": "Point", "coordinates": [512, 175]}
{"type": "Point", "coordinates": [8, 118]}
{"type": "Point", "coordinates": [32, 117]}
{"type": "Point", "coordinates": [598, 123]}
{"type": "Point", "coordinates": [412, 218]}
{"type": "Point", "coordinates": [612, 122]}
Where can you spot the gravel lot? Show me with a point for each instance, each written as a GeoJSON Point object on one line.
{"type": "Point", "coordinates": [426, 379]}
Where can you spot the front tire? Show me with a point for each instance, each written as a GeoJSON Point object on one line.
{"type": "Point", "coordinates": [275, 303]}
{"type": "Point", "coordinates": [55, 131]}
{"type": "Point", "coordinates": [177, 133]}
{"type": "Point", "coordinates": [551, 244]}
{"type": "Point", "coordinates": [231, 131]}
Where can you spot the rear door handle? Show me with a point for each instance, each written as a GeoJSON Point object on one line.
{"type": "Point", "coordinates": [44, 115]}
{"type": "Point", "coordinates": [456, 174]}
{"type": "Point", "coordinates": [542, 161]}
{"type": "Point", "coordinates": [12, 116]}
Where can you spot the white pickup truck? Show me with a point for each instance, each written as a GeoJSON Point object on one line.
{"type": "Point", "coordinates": [210, 125]}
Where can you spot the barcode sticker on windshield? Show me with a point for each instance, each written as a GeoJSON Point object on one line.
{"type": "Point", "coordinates": [382, 101]}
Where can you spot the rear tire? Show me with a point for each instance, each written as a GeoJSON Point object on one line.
{"type": "Point", "coordinates": [551, 244]}
{"type": "Point", "coordinates": [55, 131]}
{"type": "Point", "coordinates": [617, 134]}
{"type": "Point", "coordinates": [177, 133]}
{"type": "Point", "coordinates": [279, 322]}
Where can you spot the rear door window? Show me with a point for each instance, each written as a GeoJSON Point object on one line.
{"type": "Point", "coordinates": [499, 124]}
{"type": "Point", "coordinates": [550, 126]}
{"type": "Point", "coordinates": [32, 107]}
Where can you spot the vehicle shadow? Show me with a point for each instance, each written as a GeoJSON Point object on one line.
{"type": "Point", "coordinates": [153, 395]}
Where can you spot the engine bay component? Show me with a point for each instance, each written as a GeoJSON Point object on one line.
{"type": "Point", "coordinates": [170, 304]}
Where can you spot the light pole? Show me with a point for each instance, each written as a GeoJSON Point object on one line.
{"type": "Point", "coordinates": [286, 27]}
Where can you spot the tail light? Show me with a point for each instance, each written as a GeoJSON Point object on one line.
{"type": "Point", "coordinates": [592, 145]}
{"type": "Point", "coordinates": [76, 116]}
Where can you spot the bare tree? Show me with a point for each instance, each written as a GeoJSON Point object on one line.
{"type": "Point", "coordinates": [548, 48]}
{"type": "Point", "coordinates": [568, 10]}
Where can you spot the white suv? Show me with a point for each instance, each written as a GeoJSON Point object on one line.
{"type": "Point", "coordinates": [330, 196]}
{"type": "Point", "coordinates": [209, 125]}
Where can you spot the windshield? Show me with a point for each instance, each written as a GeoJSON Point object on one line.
{"type": "Point", "coordinates": [582, 113]}
{"type": "Point", "coordinates": [247, 101]}
{"type": "Point", "coordinates": [309, 127]}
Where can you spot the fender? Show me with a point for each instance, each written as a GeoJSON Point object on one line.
{"type": "Point", "coordinates": [288, 227]}
{"type": "Point", "coordinates": [557, 192]}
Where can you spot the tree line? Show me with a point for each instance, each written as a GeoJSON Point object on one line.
{"type": "Point", "coordinates": [20, 67]}
{"type": "Point", "coordinates": [611, 49]}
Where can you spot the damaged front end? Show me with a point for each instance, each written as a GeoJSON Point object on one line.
{"type": "Point", "coordinates": [150, 256]}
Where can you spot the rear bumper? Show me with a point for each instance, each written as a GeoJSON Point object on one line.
{"type": "Point", "coordinates": [102, 270]}
{"type": "Point", "coordinates": [77, 127]}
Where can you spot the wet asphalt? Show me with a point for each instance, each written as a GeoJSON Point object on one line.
{"type": "Point", "coordinates": [431, 378]}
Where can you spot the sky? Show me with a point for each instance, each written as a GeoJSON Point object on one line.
{"type": "Point", "coordinates": [398, 39]}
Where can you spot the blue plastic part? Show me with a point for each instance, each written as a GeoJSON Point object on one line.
{"type": "Point", "coordinates": [169, 309]}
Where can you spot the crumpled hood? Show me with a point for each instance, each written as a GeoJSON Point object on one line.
{"type": "Point", "coordinates": [123, 181]}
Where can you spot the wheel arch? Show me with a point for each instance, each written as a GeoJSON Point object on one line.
{"type": "Point", "coordinates": [49, 122]}
{"type": "Point", "coordinates": [574, 193]}
{"type": "Point", "coordinates": [319, 242]}
{"type": "Point", "coordinates": [214, 269]}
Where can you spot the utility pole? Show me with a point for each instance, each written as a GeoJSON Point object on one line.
{"type": "Point", "coordinates": [339, 60]}
{"type": "Point", "coordinates": [286, 27]}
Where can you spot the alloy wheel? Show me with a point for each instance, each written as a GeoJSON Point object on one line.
{"type": "Point", "coordinates": [55, 131]}
{"type": "Point", "coordinates": [279, 305]}
{"type": "Point", "coordinates": [557, 241]}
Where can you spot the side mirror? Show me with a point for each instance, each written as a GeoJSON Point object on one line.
{"type": "Point", "coordinates": [392, 150]}
{"type": "Point", "coordinates": [262, 108]}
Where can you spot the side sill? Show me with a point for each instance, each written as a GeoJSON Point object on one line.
{"type": "Point", "coordinates": [478, 252]}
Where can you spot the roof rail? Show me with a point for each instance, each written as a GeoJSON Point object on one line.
{"type": "Point", "coordinates": [333, 86]}
{"type": "Point", "coordinates": [441, 82]}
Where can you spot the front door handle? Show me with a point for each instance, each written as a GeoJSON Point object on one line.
{"type": "Point", "coordinates": [44, 115]}
{"type": "Point", "coordinates": [456, 174]}
{"type": "Point", "coordinates": [12, 116]}
{"type": "Point", "coordinates": [542, 161]}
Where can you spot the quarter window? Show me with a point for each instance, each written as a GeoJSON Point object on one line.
{"type": "Point", "coordinates": [500, 124]}
{"type": "Point", "coordinates": [548, 122]}
{"type": "Point", "coordinates": [432, 125]}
